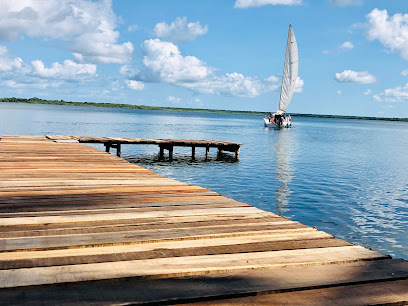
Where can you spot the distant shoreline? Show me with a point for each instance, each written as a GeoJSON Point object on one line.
{"type": "Point", "coordinates": [199, 110]}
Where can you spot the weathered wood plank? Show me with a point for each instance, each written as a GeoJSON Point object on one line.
{"type": "Point", "coordinates": [167, 245]}
{"type": "Point", "coordinates": [219, 289]}
{"type": "Point", "coordinates": [123, 216]}
{"type": "Point", "coordinates": [264, 246]}
{"type": "Point", "coordinates": [183, 266]}
{"type": "Point", "coordinates": [132, 235]}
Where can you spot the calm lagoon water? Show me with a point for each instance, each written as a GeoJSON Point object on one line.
{"type": "Point", "coordinates": [345, 177]}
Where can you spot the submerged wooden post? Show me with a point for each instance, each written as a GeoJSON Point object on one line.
{"type": "Point", "coordinates": [193, 152]}
{"type": "Point", "coordinates": [161, 153]}
{"type": "Point", "coordinates": [207, 152]}
{"type": "Point", "coordinates": [118, 150]}
{"type": "Point", "coordinates": [219, 153]}
{"type": "Point", "coordinates": [170, 152]}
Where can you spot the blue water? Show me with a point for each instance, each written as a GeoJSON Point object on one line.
{"type": "Point", "coordinates": [345, 177]}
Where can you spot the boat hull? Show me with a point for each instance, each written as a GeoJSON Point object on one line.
{"type": "Point", "coordinates": [285, 124]}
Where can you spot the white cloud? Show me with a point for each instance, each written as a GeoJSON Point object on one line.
{"type": "Point", "coordinates": [173, 99]}
{"type": "Point", "coordinates": [347, 45]}
{"type": "Point", "coordinates": [7, 63]}
{"type": "Point", "coordinates": [367, 92]}
{"type": "Point", "coordinates": [349, 76]}
{"type": "Point", "coordinates": [404, 72]}
{"type": "Point", "coordinates": [299, 85]}
{"type": "Point", "coordinates": [128, 71]}
{"type": "Point", "coordinates": [179, 30]}
{"type": "Point", "coordinates": [391, 31]}
{"type": "Point", "coordinates": [258, 3]}
{"type": "Point", "coordinates": [68, 70]}
{"type": "Point", "coordinates": [344, 2]}
{"type": "Point", "coordinates": [30, 85]}
{"type": "Point", "coordinates": [133, 28]}
{"type": "Point", "coordinates": [135, 85]}
{"type": "Point", "coordinates": [88, 26]}
{"type": "Point", "coordinates": [397, 94]}
{"type": "Point", "coordinates": [163, 62]}
{"type": "Point", "coordinates": [272, 79]}
{"type": "Point", "coordinates": [339, 92]}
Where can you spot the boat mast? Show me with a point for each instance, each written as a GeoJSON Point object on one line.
{"type": "Point", "coordinates": [284, 64]}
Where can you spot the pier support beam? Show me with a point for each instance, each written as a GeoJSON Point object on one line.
{"type": "Point", "coordinates": [193, 152]}
{"type": "Point", "coordinates": [166, 147]}
{"type": "Point", "coordinates": [109, 145]}
{"type": "Point", "coordinates": [161, 153]}
{"type": "Point", "coordinates": [207, 152]}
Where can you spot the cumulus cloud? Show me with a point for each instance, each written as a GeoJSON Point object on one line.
{"type": "Point", "coordinates": [179, 30]}
{"type": "Point", "coordinates": [404, 72]}
{"type": "Point", "coordinates": [339, 92]}
{"type": "Point", "coordinates": [135, 85]}
{"type": "Point", "coordinates": [163, 62]}
{"type": "Point", "coordinates": [30, 85]}
{"type": "Point", "coordinates": [173, 99]}
{"type": "Point", "coordinates": [349, 76]}
{"type": "Point", "coordinates": [128, 71]}
{"type": "Point", "coordinates": [68, 70]}
{"type": "Point", "coordinates": [344, 2]}
{"type": "Point", "coordinates": [6, 62]}
{"type": "Point", "coordinates": [88, 26]}
{"type": "Point", "coordinates": [348, 45]}
{"type": "Point", "coordinates": [258, 3]}
{"type": "Point", "coordinates": [299, 85]}
{"type": "Point", "coordinates": [367, 92]}
{"type": "Point", "coordinates": [391, 31]}
{"type": "Point", "coordinates": [397, 94]}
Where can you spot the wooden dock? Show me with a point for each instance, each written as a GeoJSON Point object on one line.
{"type": "Point", "coordinates": [83, 226]}
{"type": "Point", "coordinates": [164, 144]}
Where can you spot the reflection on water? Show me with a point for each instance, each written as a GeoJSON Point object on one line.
{"type": "Point", "coordinates": [283, 151]}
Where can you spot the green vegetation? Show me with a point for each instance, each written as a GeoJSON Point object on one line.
{"type": "Point", "coordinates": [36, 100]}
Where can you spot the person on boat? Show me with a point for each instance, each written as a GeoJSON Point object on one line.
{"type": "Point", "coordinates": [271, 117]}
{"type": "Point", "coordinates": [278, 119]}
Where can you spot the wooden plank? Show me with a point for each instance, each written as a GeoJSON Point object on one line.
{"type": "Point", "coordinates": [123, 216]}
{"type": "Point", "coordinates": [141, 224]}
{"type": "Point", "coordinates": [264, 246]}
{"type": "Point", "coordinates": [166, 245]}
{"type": "Point", "coordinates": [183, 266]}
{"type": "Point", "coordinates": [108, 189]}
{"type": "Point", "coordinates": [163, 221]}
{"type": "Point", "coordinates": [132, 235]}
{"type": "Point", "coordinates": [366, 283]}
{"type": "Point", "coordinates": [112, 210]}
{"type": "Point", "coordinates": [378, 293]}
{"type": "Point", "coordinates": [216, 289]}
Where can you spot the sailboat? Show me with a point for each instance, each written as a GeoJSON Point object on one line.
{"type": "Point", "coordinates": [290, 73]}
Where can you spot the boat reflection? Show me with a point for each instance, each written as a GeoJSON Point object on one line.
{"type": "Point", "coordinates": [283, 169]}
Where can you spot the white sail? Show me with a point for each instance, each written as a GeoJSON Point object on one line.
{"type": "Point", "coordinates": [290, 72]}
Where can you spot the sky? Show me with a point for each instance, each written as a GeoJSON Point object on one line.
{"type": "Point", "coordinates": [212, 54]}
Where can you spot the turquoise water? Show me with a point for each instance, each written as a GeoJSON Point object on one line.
{"type": "Point", "coordinates": [345, 177]}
